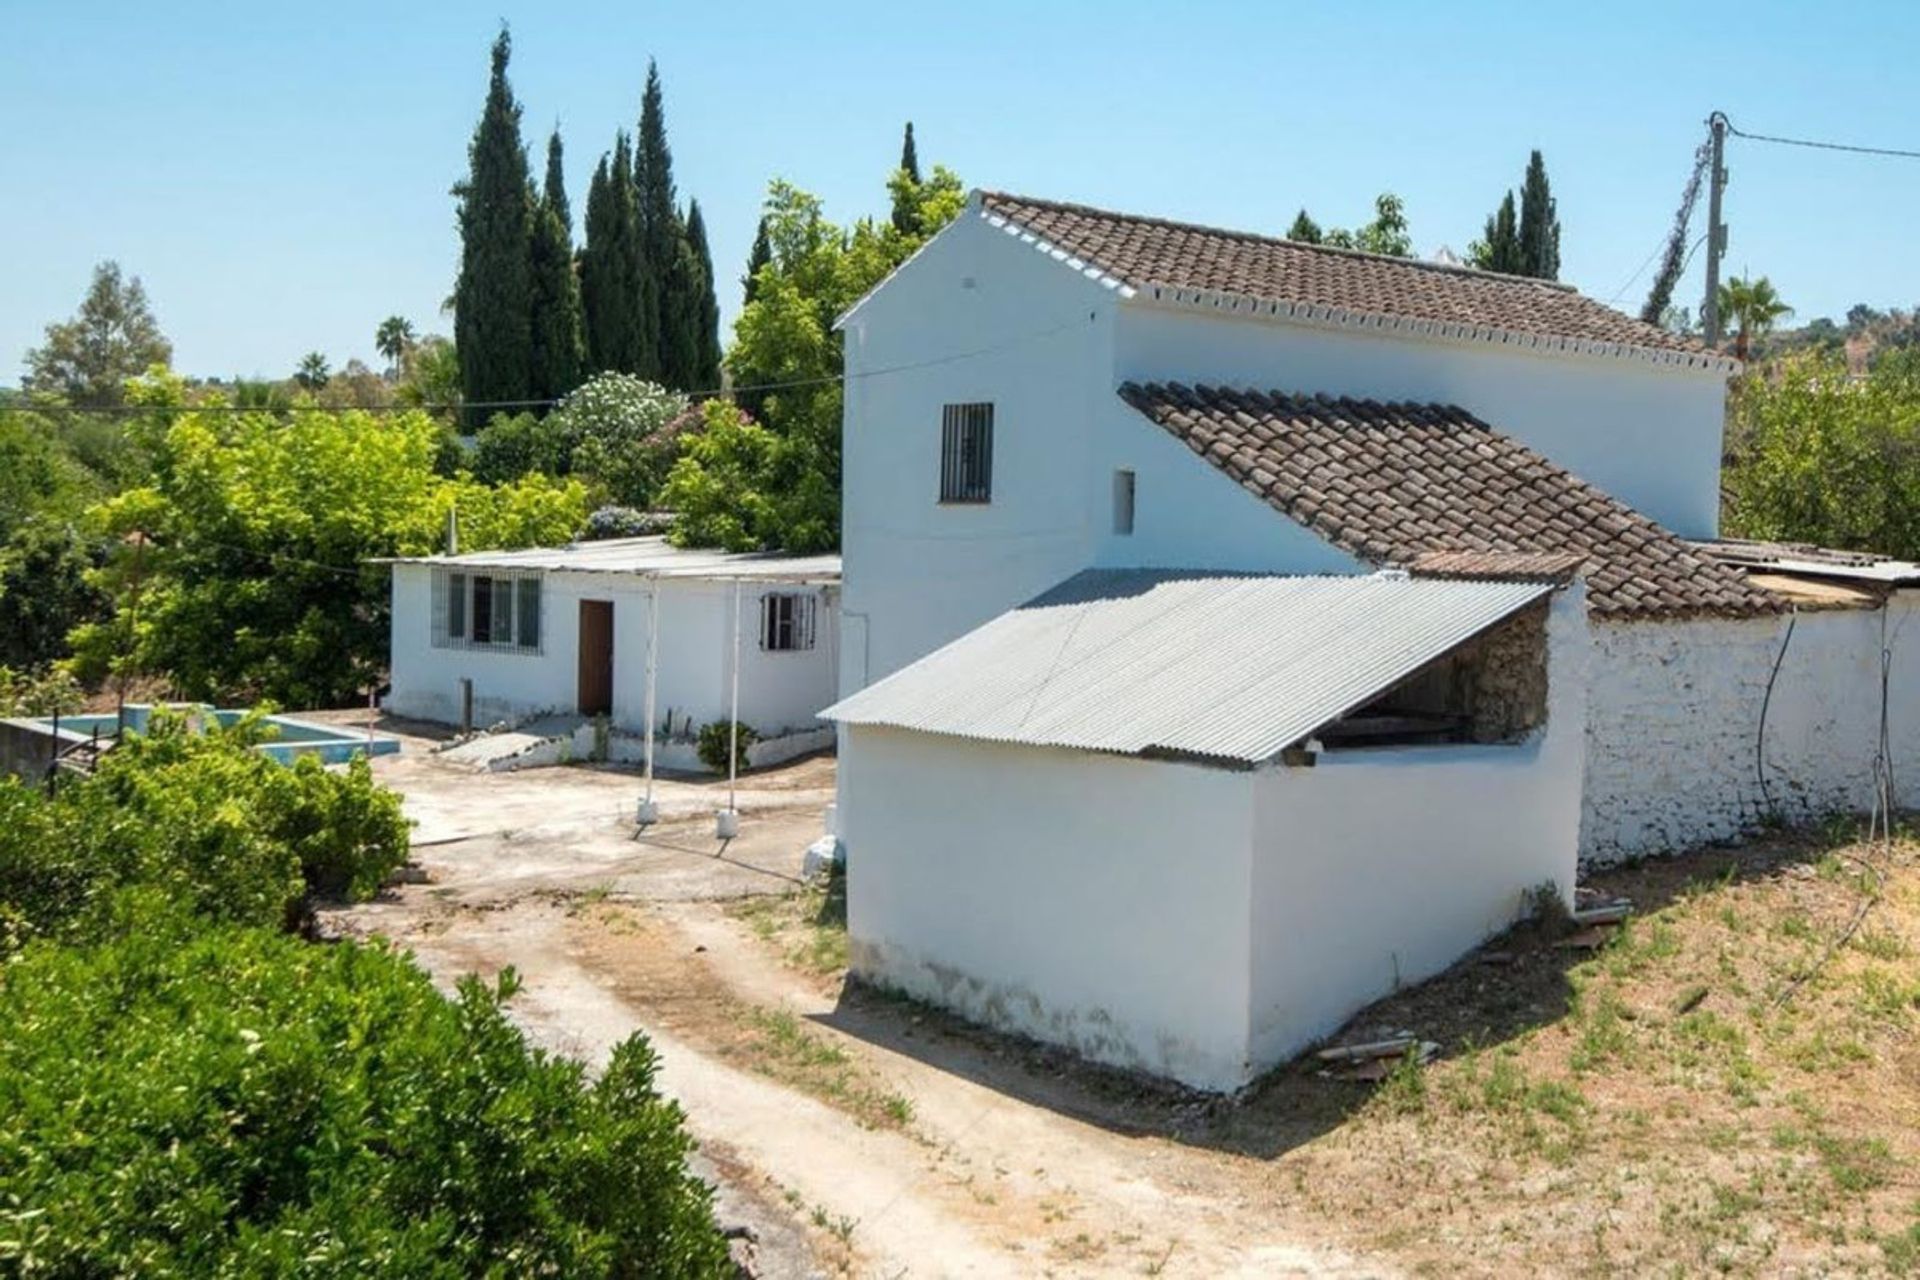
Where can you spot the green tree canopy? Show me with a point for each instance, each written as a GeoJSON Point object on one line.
{"type": "Point", "coordinates": [493, 297]}
{"type": "Point", "coordinates": [903, 208]}
{"type": "Point", "coordinates": [394, 339]}
{"type": "Point", "coordinates": [87, 360]}
{"type": "Point", "coordinates": [1304, 229]}
{"type": "Point", "coordinates": [610, 263]}
{"type": "Point", "coordinates": [787, 468]}
{"type": "Point", "coordinates": [1387, 234]}
{"type": "Point", "coordinates": [255, 582]}
{"type": "Point", "coordinates": [1818, 455]}
{"type": "Point", "coordinates": [706, 371]}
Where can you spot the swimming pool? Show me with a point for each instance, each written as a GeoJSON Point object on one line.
{"type": "Point", "coordinates": [291, 737]}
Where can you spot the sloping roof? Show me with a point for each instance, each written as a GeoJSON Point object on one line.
{"type": "Point", "coordinates": [1392, 483]}
{"type": "Point", "coordinates": [1216, 667]}
{"type": "Point", "coordinates": [1171, 259]}
{"type": "Point", "coordinates": [648, 557]}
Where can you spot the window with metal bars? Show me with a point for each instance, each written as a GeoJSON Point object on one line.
{"type": "Point", "coordinates": [486, 611]}
{"type": "Point", "coordinates": [966, 453]}
{"type": "Point", "coordinates": [786, 621]}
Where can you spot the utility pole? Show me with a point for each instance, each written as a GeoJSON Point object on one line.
{"type": "Point", "coordinates": [1716, 231]}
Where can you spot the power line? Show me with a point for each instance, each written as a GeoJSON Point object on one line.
{"type": "Point", "coordinates": [696, 396]}
{"type": "Point", "coordinates": [1738, 132]}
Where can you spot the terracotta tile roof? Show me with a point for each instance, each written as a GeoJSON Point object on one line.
{"type": "Point", "coordinates": [1505, 566]}
{"type": "Point", "coordinates": [1395, 483]}
{"type": "Point", "coordinates": [1150, 253]}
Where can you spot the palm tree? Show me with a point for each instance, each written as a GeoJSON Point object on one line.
{"type": "Point", "coordinates": [394, 340]}
{"type": "Point", "coordinates": [313, 372]}
{"type": "Point", "coordinates": [1754, 306]}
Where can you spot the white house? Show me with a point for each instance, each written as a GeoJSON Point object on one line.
{"type": "Point", "coordinates": [568, 632]}
{"type": "Point", "coordinates": [991, 367]}
{"type": "Point", "coordinates": [1047, 389]}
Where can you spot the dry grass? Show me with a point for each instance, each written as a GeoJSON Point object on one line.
{"type": "Point", "coordinates": [1712, 1091]}
{"type": "Point", "coordinates": [808, 927]}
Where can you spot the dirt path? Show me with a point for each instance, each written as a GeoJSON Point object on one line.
{"type": "Point", "coordinates": [980, 1183]}
{"type": "Point", "coordinates": [989, 1174]}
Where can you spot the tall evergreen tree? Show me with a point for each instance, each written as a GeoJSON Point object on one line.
{"type": "Point", "coordinates": [762, 254]}
{"type": "Point", "coordinates": [609, 266]}
{"type": "Point", "coordinates": [660, 237]}
{"type": "Point", "coordinates": [904, 206]}
{"type": "Point", "coordinates": [556, 318]}
{"type": "Point", "coordinates": [707, 333]}
{"type": "Point", "coordinates": [1304, 229]}
{"type": "Point", "coordinates": [1498, 248]}
{"type": "Point", "coordinates": [492, 330]}
{"type": "Point", "coordinates": [555, 190]}
{"type": "Point", "coordinates": [1539, 239]}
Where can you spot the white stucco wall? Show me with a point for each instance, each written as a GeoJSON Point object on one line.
{"type": "Point", "coordinates": [1002, 324]}
{"type": "Point", "coordinates": [1382, 866]}
{"type": "Point", "coordinates": [1675, 718]}
{"type": "Point", "coordinates": [1648, 434]}
{"type": "Point", "coordinates": [1202, 924]}
{"type": "Point", "coordinates": [1093, 901]}
{"type": "Point", "coordinates": [777, 689]}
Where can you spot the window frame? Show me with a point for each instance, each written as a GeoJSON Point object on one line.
{"type": "Point", "coordinates": [1126, 489]}
{"type": "Point", "coordinates": [966, 454]}
{"type": "Point", "coordinates": [799, 628]}
{"type": "Point", "coordinates": [487, 610]}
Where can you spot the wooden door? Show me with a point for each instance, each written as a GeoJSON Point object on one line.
{"type": "Point", "coordinates": [596, 657]}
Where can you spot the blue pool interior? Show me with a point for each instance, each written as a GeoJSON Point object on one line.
{"type": "Point", "coordinates": [290, 737]}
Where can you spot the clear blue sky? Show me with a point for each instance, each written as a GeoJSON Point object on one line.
{"type": "Point", "coordinates": [278, 175]}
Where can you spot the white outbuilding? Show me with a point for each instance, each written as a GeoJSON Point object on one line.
{"type": "Point", "coordinates": [625, 632]}
{"type": "Point", "coordinates": [1188, 823]}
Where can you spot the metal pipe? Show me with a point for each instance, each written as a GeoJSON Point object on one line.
{"type": "Point", "coordinates": [648, 812]}
{"type": "Point", "coordinates": [733, 704]}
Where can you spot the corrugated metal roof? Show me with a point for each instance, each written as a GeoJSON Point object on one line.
{"type": "Point", "coordinates": [1142, 661]}
{"type": "Point", "coordinates": [1802, 559]}
{"type": "Point", "coordinates": [653, 557]}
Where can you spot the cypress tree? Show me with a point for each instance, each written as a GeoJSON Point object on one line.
{"type": "Point", "coordinates": [660, 238]}
{"type": "Point", "coordinates": [1304, 229]}
{"type": "Point", "coordinates": [1499, 246]}
{"type": "Point", "coordinates": [905, 216]}
{"type": "Point", "coordinates": [609, 285]}
{"type": "Point", "coordinates": [706, 374]}
{"type": "Point", "coordinates": [1539, 238]}
{"type": "Point", "coordinates": [762, 254]}
{"type": "Point", "coordinates": [492, 297]}
{"type": "Point", "coordinates": [594, 295]}
{"type": "Point", "coordinates": [680, 314]}
{"type": "Point", "coordinates": [556, 321]}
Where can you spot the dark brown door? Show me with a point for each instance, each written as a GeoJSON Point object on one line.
{"type": "Point", "coordinates": [596, 657]}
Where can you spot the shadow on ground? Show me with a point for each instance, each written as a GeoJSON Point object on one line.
{"type": "Point", "coordinates": [1513, 984]}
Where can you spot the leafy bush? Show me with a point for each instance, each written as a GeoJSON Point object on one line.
{"type": "Point", "coordinates": [197, 1101]}
{"type": "Point", "coordinates": [45, 692]}
{"type": "Point", "coordinates": [224, 830]}
{"type": "Point", "coordinates": [712, 745]}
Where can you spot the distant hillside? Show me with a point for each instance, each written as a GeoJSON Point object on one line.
{"type": "Point", "coordinates": [1865, 334]}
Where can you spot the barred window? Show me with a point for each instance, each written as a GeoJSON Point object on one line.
{"type": "Point", "coordinates": [786, 621]}
{"type": "Point", "coordinates": [492, 610]}
{"type": "Point", "coordinates": [966, 453]}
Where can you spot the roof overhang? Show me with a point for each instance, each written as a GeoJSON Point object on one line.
{"type": "Point", "coordinates": [1229, 670]}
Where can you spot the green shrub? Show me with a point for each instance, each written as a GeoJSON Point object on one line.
{"type": "Point", "coordinates": [712, 747]}
{"type": "Point", "coordinates": [191, 1099]}
{"type": "Point", "coordinates": [230, 833]}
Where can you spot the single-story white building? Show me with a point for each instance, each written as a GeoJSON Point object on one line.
{"type": "Point", "coordinates": [1188, 822]}
{"type": "Point", "coordinates": [574, 631]}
